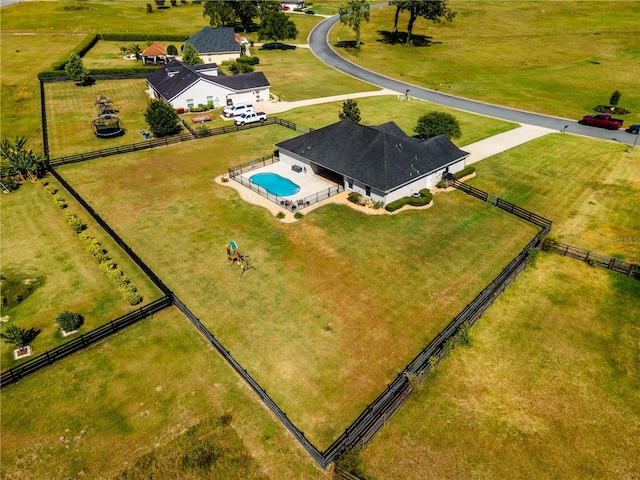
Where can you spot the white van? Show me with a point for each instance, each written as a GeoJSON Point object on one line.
{"type": "Point", "coordinates": [237, 110]}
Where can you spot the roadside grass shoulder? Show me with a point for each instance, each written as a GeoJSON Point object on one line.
{"type": "Point", "coordinates": [548, 384]}
{"type": "Point", "coordinates": [558, 58]}
{"type": "Point", "coordinates": [95, 414]}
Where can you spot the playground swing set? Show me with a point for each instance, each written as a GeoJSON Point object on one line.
{"type": "Point", "coordinates": [235, 257]}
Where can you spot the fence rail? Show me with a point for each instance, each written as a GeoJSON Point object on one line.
{"type": "Point", "coordinates": [12, 375]}
{"type": "Point", "coordinates": [235, 173]}
{"type": "Point", "coordinates": [500, 203]}
{"type": "Point", "coordinates": [171, 140]}
{"type": "Point", "coordinates": [599, 259]}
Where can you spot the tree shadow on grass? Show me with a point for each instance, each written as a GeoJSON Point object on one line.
{"type": "Point", "coordinates": [394, 38]}
{"type": "Point", "coordinates": [347, 44]}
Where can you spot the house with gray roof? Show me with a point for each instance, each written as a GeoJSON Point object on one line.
{"type": "Point", "coordinates": [188, 86]}
{"type": "Point", "coordinates": [216, 45]}
{"type": "Point", "coordinates": [382, 162]}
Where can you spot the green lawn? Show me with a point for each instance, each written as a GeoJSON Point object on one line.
{"type": "Point", "coordinates": [94, 414]}
{"type": "Point", "coordinates": [548, 388]}
{"type": "Point", "coordinates": [72, 280]}
{"type": "Point", "coordinates": [313, 294]}
{"type": "Point", "coordinates": [561, 58]}
{"type": "Point", "coordinates": [589, 189]}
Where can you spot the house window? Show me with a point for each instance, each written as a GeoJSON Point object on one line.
{"type": "Point", "coordinates": [190, 103]}
{"type": "Point", "coordinates": [367, 191]}
{"type": "Point", "coordinates": [350, 182]}
{"type": "Point", "coordinates": [209, 100]}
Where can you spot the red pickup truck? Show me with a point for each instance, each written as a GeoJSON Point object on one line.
{"type": "Point", "coordinates": [601, 120]}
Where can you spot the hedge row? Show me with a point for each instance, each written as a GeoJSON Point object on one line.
{"type": "Point", "coordinates": [138, 37]}
{"type": "Point", "coordinates": [84, 46]}
{"type": "Point", "coordinates": [101, 255]}
{"type": "Point", "coordinates": [424, 199]}
{"type": "Point", "coordinates": [126, 71]}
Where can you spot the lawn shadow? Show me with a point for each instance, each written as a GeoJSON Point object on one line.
{"type": "Point", "coordinates": [394, 38]}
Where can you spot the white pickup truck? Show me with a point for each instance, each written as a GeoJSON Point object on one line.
{"type": "Point", "coordinates": [250, 117]}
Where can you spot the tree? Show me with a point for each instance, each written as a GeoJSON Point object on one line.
{"type": "Point", "coordinates": [190, 55]}
{"type": "Point", "coordinates": [20, 337]}
{"type": "Point", "coordinates": [69, 321]}
{"type": "Point", "coordinates": [353, 14]}
{"type": "Point", "coordinates": [401, 5]}
{"type": "Point", "coordinates": [276, 26]}
{"type": "Point", "coordinates": [246, 11]}
{"type": "Point", "coordinates": [350, 111]}
{"type": "Point", "coordinates": [435, 10]}
{"type": "Point", "coordinates": [135, 49]}
{"type": "Point", "coordinates": [75, 70]}
{"type": "Point", "coordinates": [220, 13]}
{"type": "Point", "coordinates": [172, 50]}
{"type": "Point", "coordinates": [615, 98]}
{"type": "Point", "coordinates": [240, 67]}
{"type": "Point", "coordinates": [162, 118]}
{"type": "Point", "coordinates": [437, 123]}
{"type": "Point", "coordinates": [22, 162]}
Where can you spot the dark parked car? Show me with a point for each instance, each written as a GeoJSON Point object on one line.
{"type": "Point", "coordinates": [277, 46]}
{"type": "Point", "coordinates": [310, 12]}
{"type": "Point", "coordinates": [635, 128]}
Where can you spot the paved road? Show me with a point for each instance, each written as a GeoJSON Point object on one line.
{"type": "Point", "coordinates": [320, 47]}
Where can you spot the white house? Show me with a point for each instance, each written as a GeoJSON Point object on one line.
{"type": "Point", "coordinates": [216, 45]}
{"type": "Point", "coordinates": [188, 86]}
{"type": "Point", "coordinates": [382, 163]}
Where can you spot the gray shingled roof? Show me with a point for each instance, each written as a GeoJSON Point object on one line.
{"type": "Point", "coordinates": [186, 75]}
{"type": "Point", "coordinates": [383, 157]}
{"type": "Point", "coordinates": [214, 40]}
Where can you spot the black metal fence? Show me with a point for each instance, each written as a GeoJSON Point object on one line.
{"type": "Point", "coordinates": [595, 258]}
{"type": "Point", "coordinates": [235, 173]}
{"type": "Point", "coordinates": [170, 140]}
{"type": "Point", "coordinates": [503, 204]}
{"type": "Point", "coordinates": [12, 375]}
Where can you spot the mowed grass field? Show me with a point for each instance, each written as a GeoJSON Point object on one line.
{"type": "Point", "coordinates": [315, 324]}
{"type": "Point", "coordinates": [94, 414]}
{"type": "Point", "coordinates": [38, 243]}
{"type": "Point", "coordinates": [549, 387]}
{"type": "Point", "coordinates": [561, 58]}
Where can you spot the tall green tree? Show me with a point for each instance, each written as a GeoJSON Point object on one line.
{"type": "Point", "coordinates": [246, 11]}
{"type": "Point", "coordinates": [353, 13]}
{"type": "Point", "coordinates": [220, 13]}
{"type": "Point", "coordinates": [74, 69]}
{"type": "Point", "coordinates": [162, 118]}
{"type": "Point", "coordinates": [190, 55]}
{"type": "Point", "coordinates": [437, 11]}
{"type": "Point", "coordinates": [350, 111]}
{"type": "Point", "coordinates": [437, 123]}
{"type": "Point", "coordinates": [401, 5]}
{"type": "Point", "coordinates": [276, 26]}
{"type": "Point", "coordinates": [615, 98]}
{"type": "Point", "coordinates": [22, 162]}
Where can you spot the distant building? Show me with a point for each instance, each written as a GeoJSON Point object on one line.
{"type": "Point", "coordinates": [188, 86]}
{"type": "Point", "coordinates": [155, 54]}
{"type": "Point", "coordinates": [216, 45]}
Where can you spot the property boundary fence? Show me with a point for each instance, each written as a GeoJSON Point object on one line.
{"type": "Point", "coordinates": [170, 140]}
{"type": "Point", "coordinates": [235, 173]}
{"type": "Point", "coordinates": [43, 120]}
{"type": "Point", "coordinates": [12, 375]}
{"type": "Point", "coordinates": [595, 258]}
{"type": "Point", "coordinates": [498, 202]}
{"type": "Point", "coordinates": [378, 413]}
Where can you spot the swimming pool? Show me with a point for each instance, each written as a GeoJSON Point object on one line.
{"type": "Point", "coordinates": [275, 184]}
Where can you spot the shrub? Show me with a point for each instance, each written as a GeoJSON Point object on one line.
{"type": "Point", "coordinates": [150, 10]}
{"type": "Point", "coordinates": [172, 50]}
{"type": "Point", "coordinates": [464, 172]}
{"type": "Point", "coordinates": [69, 321]}
{"type": "Point", "coordinates": [280, 215]}
{"type": "Point", "coordinates": [18, 336]}
{"type": "Point", "coordinates": [464, 334]}
{"type": "Point", "coordinates": [298, 215]}
{"type": "Point", "coordinates": [60, 202]}
{"type": "Point", "coordinates": [76, 224]}
{"type": "Point", "coordinates": [355, 197]}
{"type": "Point", "coordinates": [9, 183]}
{"type": "Point", "coordinates": [249, 60]}
{"type": "Point", "coordinates": [424, 199]}
{"type": "Point", "coordinates": [378, 205]}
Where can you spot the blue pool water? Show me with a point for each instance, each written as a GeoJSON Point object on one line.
{"type": "Point", "coordinates": [275, 184]}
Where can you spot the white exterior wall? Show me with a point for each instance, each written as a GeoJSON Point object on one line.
{"type": "Point", "coordinates": [253, 96]}
{"type": "Point", "coordinates": [290, 158]}
{"type": "Point", "coordinates": [436, 176]}
{"type": "Point", "coordinates": [219, 57]}
{"type": "Point", "coordinates": [408, 189]}
{"type": "Point", "coordinates": [199, 92]}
